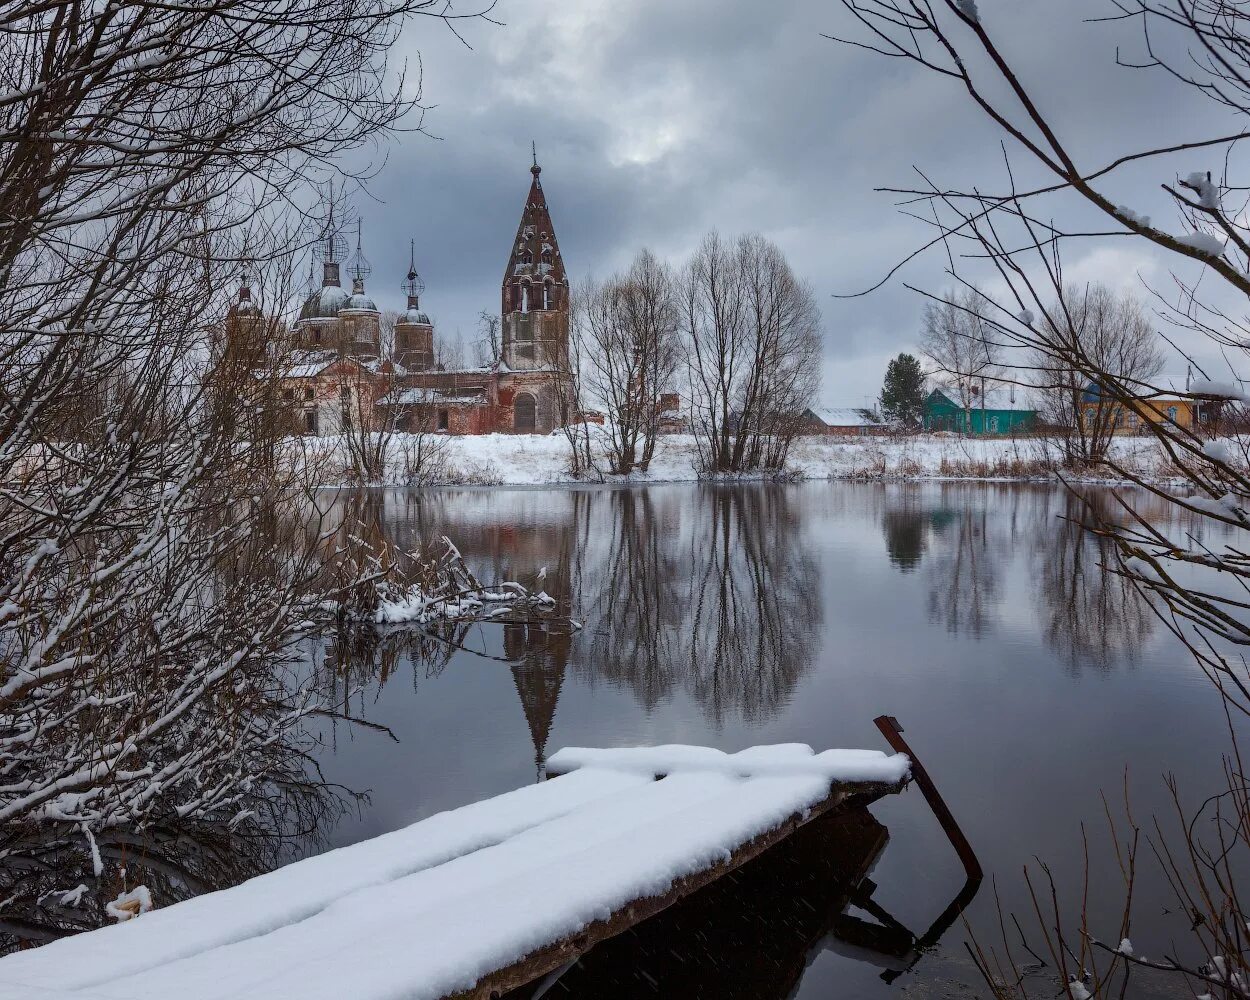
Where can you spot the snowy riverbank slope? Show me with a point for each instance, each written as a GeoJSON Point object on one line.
{"type": "Point", "coordinates": [524, 460]}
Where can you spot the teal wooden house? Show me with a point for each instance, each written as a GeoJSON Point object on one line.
{"type": "Point", "coordinates": [999, 411]}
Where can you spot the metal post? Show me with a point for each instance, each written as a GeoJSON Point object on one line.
{"type": "Point", "coordinates": [893, 734]}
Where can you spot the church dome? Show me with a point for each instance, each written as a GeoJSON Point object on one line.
{"type": "Point", "coordinates": [361, 301]}
{"type": "Point", "coordinates": [415, 317]}
{"type": "Point", "coordinates": [324, 303]}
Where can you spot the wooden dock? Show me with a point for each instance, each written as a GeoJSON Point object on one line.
{"type": "Point", "coordinates": [478, 901]}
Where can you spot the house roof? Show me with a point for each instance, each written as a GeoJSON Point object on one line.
{"type": "Point", "coordinates": [1009, 398]}
{"type": "Point", "coordinates": [844, 416]}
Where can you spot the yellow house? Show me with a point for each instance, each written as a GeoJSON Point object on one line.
{"type": "Point", "coordinates": [1135, 417]}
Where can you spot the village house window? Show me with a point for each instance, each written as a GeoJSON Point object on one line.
{"type": "Point", "coordinates": [308, 392]}
{"type": "Point", "coordinates": [310, 421]}
{"type": "Point", "coordinates": [288, 394]}
{"type": "Point", "coordinates": [1172, 411]}
{"type": "Point", "coordinates": [316, 335]}
{"type": "Point", "coordinates": [444, 421]}
{"type": "Point", "coordinates": [525, 413]}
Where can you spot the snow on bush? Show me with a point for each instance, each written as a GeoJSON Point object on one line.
{"type": "Point", "coordinates": [130, 904]}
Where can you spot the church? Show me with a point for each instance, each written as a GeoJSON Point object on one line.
{"type": "Point", "coordinates": [334, 367]}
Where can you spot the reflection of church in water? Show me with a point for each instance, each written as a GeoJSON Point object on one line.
{"type": "Point", "coordinates": [541, 654]}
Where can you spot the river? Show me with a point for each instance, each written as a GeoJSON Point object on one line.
{"type": "Point", "coordinates": [1028, 679]}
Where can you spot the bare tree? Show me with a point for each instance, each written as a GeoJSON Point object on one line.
{"type": "Point", "coordinates": [1196, 589]}
{"type": "Point", "coordinates": [628, 329]}
{"type": "Point", "coordinates": [569, 387]}
{"type": "Point", "coordinates": [486, 349]}
{"type": "Point", "coordinates": [149, 588]}
{"type": "Point", "coordinates": [752, 341]}
{"type": "Point", "coordinates": [386, 327]}
{"type": "Point", "coordinates": [1093, 329]}
{"type": "Point", "coordinates": [449, 351]}
{"type": "Point", "coordinates": [958, 343]}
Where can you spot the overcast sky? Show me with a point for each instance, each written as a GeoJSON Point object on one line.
{"type": "Point", "coordinates": [657, 120]}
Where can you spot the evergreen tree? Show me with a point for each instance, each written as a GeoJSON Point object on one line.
{"type": "Point", "coordinates": [902, 393]}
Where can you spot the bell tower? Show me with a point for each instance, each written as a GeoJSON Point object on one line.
{"type": "Point", "coordinates": [535, 289]}
{"type": "Point", "coordinates": [414, 334]}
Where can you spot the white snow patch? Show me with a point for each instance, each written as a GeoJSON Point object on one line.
{"type": "Point", "coordinates": [1205, 243]}
{"type": "Point", "coordinates": [784, 759]}
{"type": "Point", "coordinates": [1077, 990]}
{"type": "Point", "coordinates": [1215, 387]}
{"type": "Point", "coordinates": [1207, 192]}
{"type": "Point", "coordinates": [130, 904]}
{"type": "Point", "coordinates": [1126, 947]}
{"type": "Point", "coordinates": [1025, 316]}
{"type": "Point", "coordinates": [1229, 505]}
{"type": "Point", "coordinates": [1143, 570]}
{"type": "Point", "coordinates": [97, 864]}
{"type": "Point", "coordinates": [73, 897]}
{"type": "Point", "coordinates": [1218, 450]}
{"type": "Point", "coordinates": [969, 10]}
{"type": "Point", "coordinates": [1127, 213]}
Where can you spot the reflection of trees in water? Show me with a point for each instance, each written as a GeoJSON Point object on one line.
{"type": "Point", "coordinates": [754, 600]}
{"type": "Point", "coordinates": [356, 663]}
{"type": "Point", "coordinates": [633, 601]}
{"type": "Point", "coordinates": [969, 535]}
{"type": "Point", "coordinates": [715, 596]}
{"type": "Point", "coordinates": [1090, 616]}
{"type": "Point", "coordinates": [725, 605]}
{"type": "Point", "coordinates": [905, 528]}
{"type": "Point", "coordinates": [964, 568]}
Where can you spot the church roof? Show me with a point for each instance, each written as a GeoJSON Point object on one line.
{"type": "Point", "coordinates": [535, 251]}
{"type": "Point", "coordinates": [324, 303]}
{"type": "Point", "coordinates": [413, 316]}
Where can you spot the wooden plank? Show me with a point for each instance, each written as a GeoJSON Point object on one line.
{"type": "Point", "coordinates": [545, 960]}
{"type": "Point", "coordinates": [751, 934]}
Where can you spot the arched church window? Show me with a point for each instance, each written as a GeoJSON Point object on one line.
{"type": "Point", "coordinates": [546, 294]}
{"type": "Point", "coordinates": [525, 296]}
{"type": "Point", "coordinates": [525, 413]}
{"type": "Point", "coordinates": [527, 256]}
{"type": "Point", "coordinates": [547, 255]}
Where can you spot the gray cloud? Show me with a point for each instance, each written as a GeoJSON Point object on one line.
{"type": "Point", "coordinates": [656, 121]}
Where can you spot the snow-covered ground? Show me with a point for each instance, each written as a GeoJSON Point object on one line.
{"type": "Point", "coordinates": [524, 460]}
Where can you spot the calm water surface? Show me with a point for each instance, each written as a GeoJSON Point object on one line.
{"type": "Point", "coordinates": [1029, 680]}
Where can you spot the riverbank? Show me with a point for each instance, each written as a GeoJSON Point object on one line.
{"type": "Point", "coordinates": [525, 460]}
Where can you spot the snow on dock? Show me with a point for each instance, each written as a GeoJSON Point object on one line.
{"type": "Point", "coordinates": [474, 901]}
